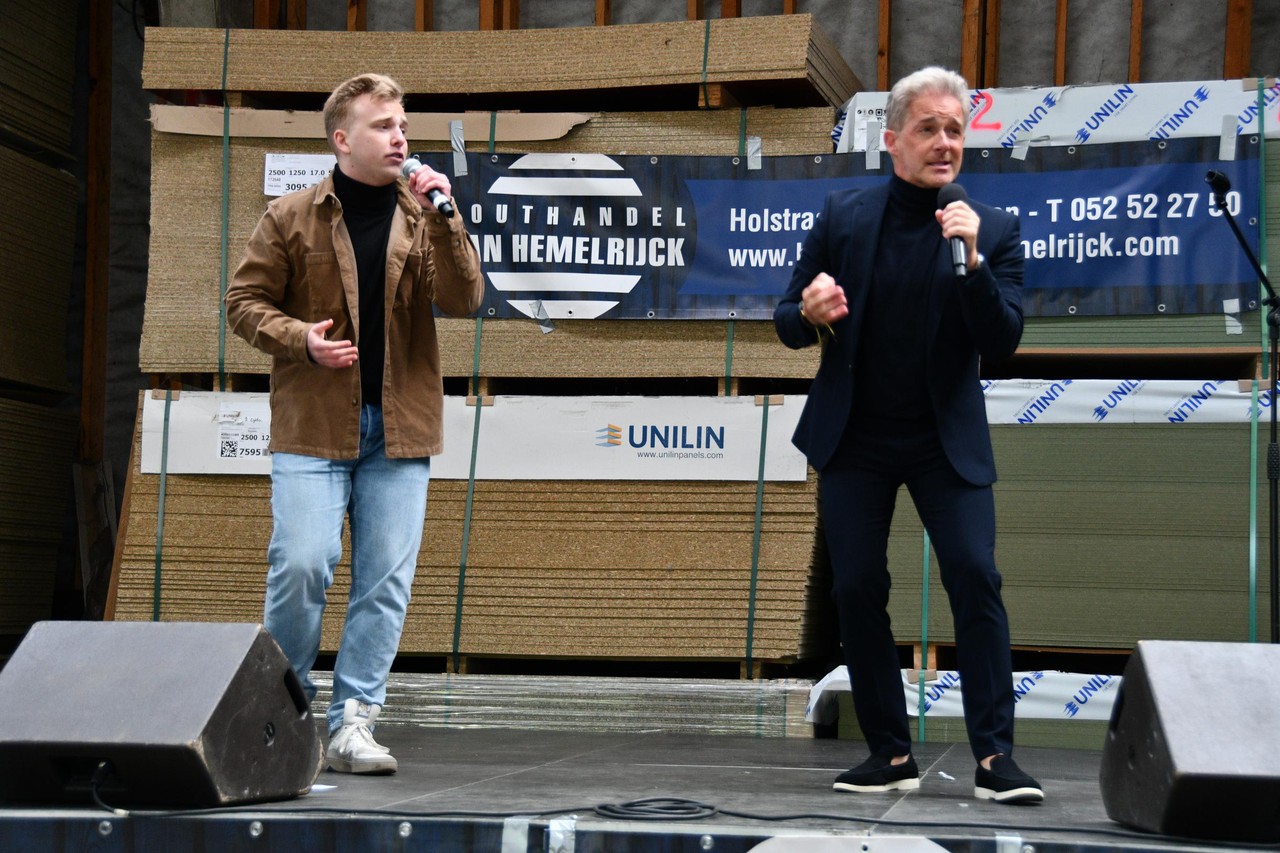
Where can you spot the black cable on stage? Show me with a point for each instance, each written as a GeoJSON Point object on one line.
{"type": "Point", "coordinates": [657, 808]}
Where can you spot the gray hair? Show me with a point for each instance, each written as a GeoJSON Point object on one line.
{"type": "Point", "coordinates": [934, 80]}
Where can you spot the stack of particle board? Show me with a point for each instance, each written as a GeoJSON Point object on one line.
{"type": "Point", "coordinates": [1109, 534]}
{"type": "Point", "coordinates": [37, 445]}
{"type": "Point", "coordinates": [37, 71]}
{"type": "Point", "coordinates": [37, 239]}
{"type": "Point", "coordinates": [755, 55]}
{"type": "Point", "coordinates": [554, 568]}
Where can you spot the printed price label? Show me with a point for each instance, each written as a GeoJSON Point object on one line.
{"type": "Point", "coordinates": [243, 432]}
{"type": "Point", "coordinates": [286, 173]}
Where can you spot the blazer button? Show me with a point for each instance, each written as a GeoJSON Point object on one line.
{"type": "Point", "coordinates": [355, 401]}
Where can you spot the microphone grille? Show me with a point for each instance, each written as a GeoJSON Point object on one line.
{"type": "Point", "coordinates": [408, 167]}
{"type": "Point", "coordinates": [949, 193]}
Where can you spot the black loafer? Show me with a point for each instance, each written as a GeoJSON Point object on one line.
{"type": "Point", "coordinates": [1006, 783]}
{"type": "Point", "coordinates": [877, 774]}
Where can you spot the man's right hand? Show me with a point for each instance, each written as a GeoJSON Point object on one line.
{"type": "Point", "coordinates": [326, 353]}
{"type": "Point", "coordinates": [823, 301]}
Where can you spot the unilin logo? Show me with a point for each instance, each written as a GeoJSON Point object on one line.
{"type": "Point", "coordinates": [609, 436]}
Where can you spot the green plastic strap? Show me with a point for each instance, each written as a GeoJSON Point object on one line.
{"type": "Point", "coordinates": [742, 132]}
{"type": "Point", "coordinates": [1253, 513]}
{"type": "Point", "coordinates": [226, 216]}
{"type": "Point", "coordinates": [706, 51]}
{"type": "Point", "coordinates": [755, 538]}
{"type": "Point", "coordinates": [924, 639]}
{"type": "Point", "coordinates": [164, 476]}
{"type": "Point", "coordinates": [728, 357]}
{"type": "Point", "coordinates": [471, 497]}
{"type": "Point", "coordinates": [493, 131]}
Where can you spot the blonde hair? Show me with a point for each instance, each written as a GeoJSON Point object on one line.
{"type": "Point", "coordinates": [337, 108]}
{"type": "Point", "coordinates": [932, 79]}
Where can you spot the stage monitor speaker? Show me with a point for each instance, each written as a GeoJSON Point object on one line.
{"type": "Point", "coordinates": [1192, 748]}
{"type": "Point", "coordinates": [184, 714]}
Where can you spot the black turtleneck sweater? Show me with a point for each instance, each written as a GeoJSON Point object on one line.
{"type": "Point", "coordinates": [891, 396]}
{"type": "Point", "coordinates": [367, 212]}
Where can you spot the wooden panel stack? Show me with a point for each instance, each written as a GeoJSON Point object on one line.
{"type": "Point", "coordinates": [37, 71]}
{"type": "Point", "coordinates": [36, 444]}
{"type": "Point", "coordinates": [555, 568]}
{"type": "Point", "coordinates": [37, 252]}
{"type": "Point", "coordinates": [761, 60]}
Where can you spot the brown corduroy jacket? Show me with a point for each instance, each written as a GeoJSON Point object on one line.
{"type": "Point", "coordinates": [299, 269]}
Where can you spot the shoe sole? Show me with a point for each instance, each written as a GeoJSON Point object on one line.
{"type": "Point", "coordinates": [899, 785]}
{"type": "Point", "coordinates": [363, 768]}
{"type": "Point", "coordinates": [1013, 796]}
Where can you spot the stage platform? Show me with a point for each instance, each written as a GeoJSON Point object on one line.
{"type": "Point", "coordinates": [509, 790]}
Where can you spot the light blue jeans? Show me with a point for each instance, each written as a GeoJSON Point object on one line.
{"type": "Point", "coordinates": [386, 501]}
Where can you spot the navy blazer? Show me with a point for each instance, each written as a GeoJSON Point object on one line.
{"type": "Point", "coordinates": [968, 317]}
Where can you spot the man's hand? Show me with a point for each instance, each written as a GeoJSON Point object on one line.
{"type": "Point", "coordinates": [326, 353]}
{"type": "Point", "coordinates": [823, 301]}
{"type": "Point", "coordinates": [958, 219]}
{"type": "Point", "coordinates": [426, 179]}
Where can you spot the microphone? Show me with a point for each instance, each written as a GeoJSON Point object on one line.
{"type": "Point", "coordinates": [959, 252]}
{"type": "Point", "coordinates": [439, 199]}
{"type": "Point", "coordinates": [1218, 182]}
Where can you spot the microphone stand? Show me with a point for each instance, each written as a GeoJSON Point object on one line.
{"type": "Point", "coordinates": [1220, 185]}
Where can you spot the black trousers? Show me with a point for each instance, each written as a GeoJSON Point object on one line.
{"type": "Point", "coordinates": [859, 490]}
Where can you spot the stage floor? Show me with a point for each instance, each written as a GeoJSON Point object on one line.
{"type": "Point", "coordinates": [513, 790]}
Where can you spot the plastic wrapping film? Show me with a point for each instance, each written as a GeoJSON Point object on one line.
{"type": "Point", "coordinates": [1039, 694]}
{"type": "Point", "coordinates": [765, 708]}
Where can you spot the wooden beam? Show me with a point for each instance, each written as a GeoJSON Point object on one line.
{"type": "Point", "coordinates": [789, 7]}
{"type": "Point", "coordinates": [357, 15]}
{"type": "Point", "coordinates": [1135, 42]}
{"type": "Point", "coordinates": [604, 13]}
{"type": "Point", "coordinates": [695, 10]}
{"type": "Point", "coordinates": [424, 15]}
{"type": "Point", "coordinates": [1236, 59]}
{"type": "Point", "coordinates": [295, 15]}
{"type": "Point", "coordinates": [511, 14]}
{"type": "Point", "coordinates": [884, 45]}
{"type": "Point", "coordinates": [991, 46]}
{"type": "Point", "coordinates": [731, 8]}
{"type": "Point", "coordinates": [266, 14]}
{"type": "Point", "coordinates": [499, 14]}
{"type": "Point", "coordinates": [1060, 46]}
{"type": "Point", "coordinates": [971, 43]}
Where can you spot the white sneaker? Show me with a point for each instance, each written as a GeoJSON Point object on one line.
{"type": "Point", "coordinates": [352, 748]}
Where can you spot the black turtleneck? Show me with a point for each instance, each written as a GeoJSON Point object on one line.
{"type": "Point", "coordinates": [367, 212]}
{"type": "Point", "coordinates": [891, 396]}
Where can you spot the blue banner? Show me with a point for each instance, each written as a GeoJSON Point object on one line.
{"type": "Point", "coordinates": [1121, 228]}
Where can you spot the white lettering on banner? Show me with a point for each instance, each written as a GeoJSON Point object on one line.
{"type": "Point", "coordinates": [597, 251]}
{"type": "Point", "coordinates": [768, 220]}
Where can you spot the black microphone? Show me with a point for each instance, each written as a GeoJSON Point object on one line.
{"type": "Point", "coordinates": [959, 252]}
{"type": "Point", "coordinates": [439, 199]}
{"type": "Point", "coordinates": [1218, 183]}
